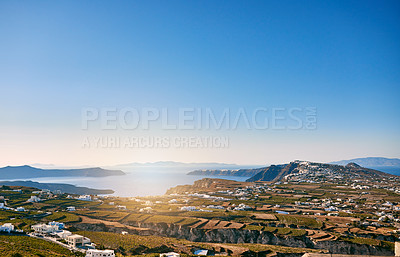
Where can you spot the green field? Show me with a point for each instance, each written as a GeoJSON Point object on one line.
{"type": "Point", "coordinates": [105, 215]}
{"type": "Point", "coordinates": [299, 221]}
{"type": "Point", "coordinates": [15, 246]}
{"type": "Point", "coordinates": [65, 217]}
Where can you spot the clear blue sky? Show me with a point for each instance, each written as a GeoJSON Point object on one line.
{"type": "Point", "coordinates": [343, 57]}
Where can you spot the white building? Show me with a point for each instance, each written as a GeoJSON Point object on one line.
{"type": "Point", "coordinates": [71, 208]}
{"type": "Point", "coordinates": [189, 208]}
{"type": "Point", "coordinates": [146, 209]}
{"type": "Point", "coordinates": [75, 240]}
{"type": "Point", "coordinates": [20, 209]}
{"type": "Point", "coordinates": [55, 223]}
{"type": "Point", "coordinates": [34, 199]}
{"type": "Point", "coordinates": [201, 252]}
{"type": "Point", "coordinates": [149, 203]}
{"type": "Point", "coordinates": [332, 208]}
{"type": "Point", "coordinates": [7, 227]}
{"type": "Point", "coordinates": [45, 229]}
{"type": "Point", "coordinates": [170, 254]}
{"type": "Point", "coordinates": [99, 253]}
{"type": "Point", "coordinates": [3, 206]}
{"type": "Point", "coordinates": [215, 207]}
{"type": "Point", "coordinates": [242, 207]}
{"type": "Point", "coordinates": [85, 198]}
{"type": "Point", "coordinates": [63, 234]}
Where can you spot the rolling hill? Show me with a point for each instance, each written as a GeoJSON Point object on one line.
{"type": "Point", "coordinates": [304, 171]}
{"type": "Point", "coordinates": [64, 188]}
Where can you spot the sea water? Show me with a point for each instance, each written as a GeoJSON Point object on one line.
{"type": "Point", "coordinates": [133, 183]}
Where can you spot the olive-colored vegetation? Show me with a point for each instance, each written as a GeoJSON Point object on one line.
{"type": "Point", "coordinates": [299, 221]}
{"type": "Point", "coordinates": [104, 215]}
{"type": "Point", "coordinates": [65, 217]}
{"type": "Point", "coordinates": [129, 244]}
{"type": "Point", "coordinates": [26, 246]}
{"type": "Point", "coordinates": [369, 241]}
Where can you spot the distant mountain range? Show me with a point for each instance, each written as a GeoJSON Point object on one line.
{"type": "Point", "coordinates": [304, 171]}
{"type": "Point", "coordinates": [238, 173]}
{"type": "Point", "coordinates": [59, 167]}
{"type": "Point", "coordinates": [175, 164]}
{"type": "Point", "coordinates": [372, 162]}
{"type": "Point", "coordinates": [64, 188]}
{"type": "Point", "coordinates": [176, 167]}
{"type": "Point", "coordinates": [23, 172]}
{"type": "Point", "coordinates": [166, 164]}
{"type": "Point", "coordinates": [158, 164]}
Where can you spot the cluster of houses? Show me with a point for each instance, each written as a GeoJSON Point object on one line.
{"type": "Point", "coordinates": [57, 231]}
{"type": "Point", "coordinates": [322, 173]}
{"type": "Point", "coordinates": [330, 207]}
{"type": "Point", "coordinates": [32, 199]}
{"type": "Point", "coordinates": [35, 199]}
{"type": "Point", "coordinates": [382, 213]}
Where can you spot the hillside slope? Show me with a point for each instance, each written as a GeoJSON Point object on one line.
{"type": "Point", "coordinates": [64, 188]}
{"type": "Point", "coordinates": [303, 171]}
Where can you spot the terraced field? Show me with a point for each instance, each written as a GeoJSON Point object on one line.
{"type": "Point", "coordinates": [300, 221]}
{"type": "Point", "coordinates": [66, 217]}
{"type": "Point", "coordinates": [150, 218]}
{"type": "Point", "coordinates": [134, 245]}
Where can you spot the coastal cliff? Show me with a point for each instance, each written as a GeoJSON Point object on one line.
{"type": "Point", "coordinates": [238, 236]}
